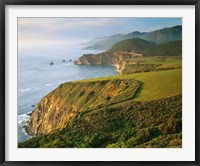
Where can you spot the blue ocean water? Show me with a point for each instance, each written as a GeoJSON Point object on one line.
{"type": "Point", "coordinates": [36, 78]}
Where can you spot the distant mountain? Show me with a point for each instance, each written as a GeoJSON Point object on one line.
{"type": "Point", "coordinates": [105, 43]}
{"type": "Point", "coordinates": [168, 49]}
{"type": "Point", "coordinates": [164, 35]}
{"type": "Point", "coordinates": [160, 36]}
{"type": "Point", "coordinates": [93, 41]}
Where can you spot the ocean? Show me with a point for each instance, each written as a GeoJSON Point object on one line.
{"type": "Point", "coordinates": [36, 78]}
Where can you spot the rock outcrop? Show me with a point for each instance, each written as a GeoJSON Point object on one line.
{"type": "Point", "coordinates": [115, 58]}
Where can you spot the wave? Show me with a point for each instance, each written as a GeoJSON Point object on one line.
{"type": "Point", "coordinates": [47, 84]}
{"type": "Point", "coordinates": [24, 90]}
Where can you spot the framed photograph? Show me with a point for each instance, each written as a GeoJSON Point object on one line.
{"type": "Point", "coordinates": [100, 82]}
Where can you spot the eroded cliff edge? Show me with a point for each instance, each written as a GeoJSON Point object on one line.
{"type": "Point", "coordinates": [71, 99]}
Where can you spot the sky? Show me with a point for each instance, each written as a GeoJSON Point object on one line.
{"type": "Point", "coordinates": [42, 35]}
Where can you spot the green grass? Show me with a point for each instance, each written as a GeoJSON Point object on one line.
{"type": "Point", "coordinates": [160, 84]}
{"type": "Point", "coordinates": [147, 64]}
{"type": "Point", "coordinates": [155, 85]}
{"type": "Point", "coordinates": [164, 62]}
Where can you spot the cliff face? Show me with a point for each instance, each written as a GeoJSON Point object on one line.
{"type": "Point", "coordinates": [74, 98]}
{"type": "Point", "coordinates": [125, 49]}
{"type": "Point", "coordinates": [92, 59]}
{"type": "Point", "coordinates": [116, 58]}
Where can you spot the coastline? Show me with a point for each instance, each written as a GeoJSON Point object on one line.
{"type": "Point", "coordinates": [82, 72]}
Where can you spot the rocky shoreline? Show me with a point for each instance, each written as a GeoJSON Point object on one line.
{"type": "Point", "coordinates": [116, 59]}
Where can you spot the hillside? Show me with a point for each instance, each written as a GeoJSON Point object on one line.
{"type": "Point", "coordinates": [136, 45]}
{"type": "Point", "coordinates": [160, 36]}
{"type": "Point", "coordinates": [151, 63]}
{"type": "Point", "coordinates": [164, 35]}
{"type": "Point", "coordinates": [131, 110]}
{"type": "Point", "coordinates": [168, 49]}
{"type": "Point", "coordinates": [115, 55]}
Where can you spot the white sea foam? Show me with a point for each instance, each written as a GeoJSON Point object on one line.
{"type": "Point", "coordinates": [24, 90]}
{"type": "Point", "coordinates": [47, 84]}
{"type": "Point", "coordinates": [23, 118]}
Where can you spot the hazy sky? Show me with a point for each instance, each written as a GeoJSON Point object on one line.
{"type": "Point", "coordinates": [36, 35]}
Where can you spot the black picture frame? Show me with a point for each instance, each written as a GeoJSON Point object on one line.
{"type": "Point", "coordinates": [4, 3]}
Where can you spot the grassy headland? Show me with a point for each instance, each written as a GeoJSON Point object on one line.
{"type": "Point", "coordinates": [141, 107]}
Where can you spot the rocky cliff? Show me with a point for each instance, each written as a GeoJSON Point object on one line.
{"type": "Point", "coordinates": [116, 58]}
{"type": "Point", "coordinates": [71, 99]}
{"type": "Point", "coordinates": [125, 49]}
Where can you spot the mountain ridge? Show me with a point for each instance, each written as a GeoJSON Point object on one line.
{"type": "Point", "coordinates": [159, 36]}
